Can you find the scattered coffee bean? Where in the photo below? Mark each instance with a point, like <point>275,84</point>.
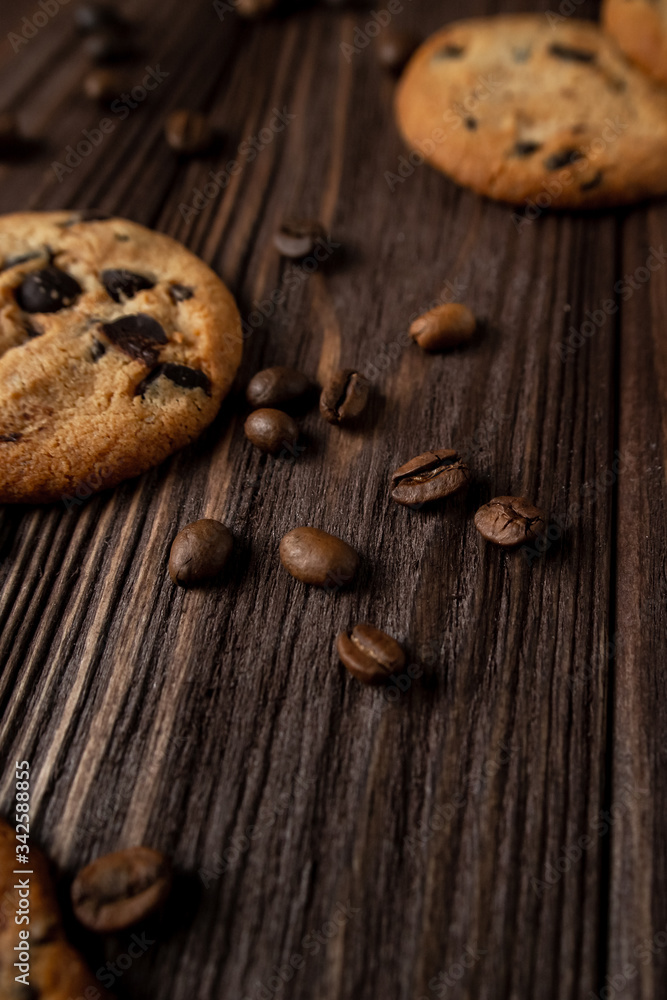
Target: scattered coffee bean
<point>199,552</point>
<point>254,8</point>
<point>509,521</point>
<point>102,85</point>
<point>137,336</point>
<point>188,132</point>
<point>394,48</point>
<point>272,431</point>
<point>344,396</point>
<point>276,387</point>
<point>119,889</point>
<point>443,327</point>
<point>428,477</point>
<point>90,17</point>
<point>109,46</point>
<point>296,237</point>
<point>47,291</point>
<point>316,557</point>
<point>124,284</point>
<point>369,654</point>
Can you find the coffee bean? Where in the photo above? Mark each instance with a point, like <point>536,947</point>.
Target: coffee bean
<point>254,8</point>
<point>394,48</point>
<point>276,387</point>
<point>136,335</point>
<point>199,552</point>
<point>124,284</point>
<point>102,85</point>
<point>344,396</point>
<point>296,237</point>
<point>119,889</point>
<point>90,17</point>
<point>369,654</point>
<point>316,557</point>
<point>272,431</point>
<point>188,132</point>
<point>47,291</point>
<point>445,326</point>
<point>428,477</point>
<point>109,46</point>
<point>509,521</point>
<point>181,375</point>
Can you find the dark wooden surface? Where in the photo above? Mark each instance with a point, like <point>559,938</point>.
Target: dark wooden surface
<point>448,821</point>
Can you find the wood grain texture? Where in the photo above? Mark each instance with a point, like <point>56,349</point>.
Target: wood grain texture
<point>415,846</point>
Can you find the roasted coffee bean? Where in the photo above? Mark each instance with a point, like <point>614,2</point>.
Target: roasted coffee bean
<point>102,85</point>
<point>316,557</point>
<point>369,654</point>
<point>47,291</point>
<point>276,387</point>
<point>428,477</point>
<point>90,17</point>
<point>272,431</point>
<point>188,132</point>
<point>181,375</point>
<point>136,335</point>
<point>199,552</point>
<point>510,521</point>
<point>344,396</point>
<point>255,8</point>
<point>445,326</point>
<point>119,889</point>
<point>180,293</point>
<point>109,46</point>
<point>394,48</point>
<point>124,284</point>
<point>297,237</point>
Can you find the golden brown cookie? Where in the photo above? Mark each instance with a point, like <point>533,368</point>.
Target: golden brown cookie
<point>117,346</point>
<point>55,971</point>
<point>640,28</point>
<point>525,111</point>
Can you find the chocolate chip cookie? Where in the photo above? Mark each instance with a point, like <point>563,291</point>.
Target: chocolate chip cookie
<point>640,28</point>
<point>523,110</point>
<point>117,346</point>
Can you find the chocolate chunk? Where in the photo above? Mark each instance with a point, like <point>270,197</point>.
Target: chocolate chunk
<point>593,182</point>
<point>119,282</point>
<point>571,54</point>
<point>9,438</point>
<point>47,291</point>
<point>523,149</point>
<point>179,293</point>
<point>136,335</point>
<point>97,350</point>
<point>186,378</point>
<point>31,329</point>
<point>563,159</point>
<point>449,52</point>
<point>471,123</point>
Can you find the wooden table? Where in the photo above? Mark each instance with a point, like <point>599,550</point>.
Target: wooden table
<point>450,841</point>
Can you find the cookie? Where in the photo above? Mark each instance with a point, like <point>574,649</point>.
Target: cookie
<point>117,346</point>
<point>640,28</point>
<point>522,110</point>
